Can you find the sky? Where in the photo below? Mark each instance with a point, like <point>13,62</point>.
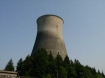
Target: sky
<point>83,29</point>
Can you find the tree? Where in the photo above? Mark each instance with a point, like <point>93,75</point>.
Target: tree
<point>9,66</point>
<point>103,74</point>
<point>71,72</point>
<point>79,69</point>
<point>27,65</point>
<point>20,67</point>
<point>62,73</point>
<point>40,63</point>
<point>50,57</point>
<point>51,66</point>
<point>58,60</point>
<point>66,62</point>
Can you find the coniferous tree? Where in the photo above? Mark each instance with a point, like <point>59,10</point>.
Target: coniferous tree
<point>59,64</point>
<point>79,69</point>
<point>58,60</point>
<point>62,72</point>
<point>51,65</point>
<point>41,62</point>
<point>20,67</point>
<point>103,74</point>
<point>50,57</point>
<point>9,66</point>
<point>27,65</point>
<point>66,62</point>
<point>43,65</point>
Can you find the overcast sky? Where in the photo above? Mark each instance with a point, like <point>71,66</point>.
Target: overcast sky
<point>83,29</point>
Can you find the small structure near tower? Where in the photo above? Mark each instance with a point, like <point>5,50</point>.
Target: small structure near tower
<point>49,35</point>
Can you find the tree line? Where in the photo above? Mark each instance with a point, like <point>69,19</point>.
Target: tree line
<point>43,65</point>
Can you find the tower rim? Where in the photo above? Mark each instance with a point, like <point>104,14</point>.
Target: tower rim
<point>50,15</point>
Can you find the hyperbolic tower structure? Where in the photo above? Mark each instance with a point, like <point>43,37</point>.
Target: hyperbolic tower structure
<point>49,35</point>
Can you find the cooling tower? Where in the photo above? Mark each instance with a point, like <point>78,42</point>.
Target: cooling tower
<point>49,35</point>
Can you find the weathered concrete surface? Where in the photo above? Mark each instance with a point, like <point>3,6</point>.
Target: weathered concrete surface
<point>49,35</point>
<point>7,74</point>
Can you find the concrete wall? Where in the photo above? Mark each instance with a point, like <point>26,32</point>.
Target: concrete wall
<point>8,74</point>
<point>49,35</point>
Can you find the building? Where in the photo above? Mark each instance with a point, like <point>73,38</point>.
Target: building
<point>7,74</point>
<point>49,35</point>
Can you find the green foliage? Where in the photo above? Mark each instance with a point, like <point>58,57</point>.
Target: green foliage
<point>41,62</point>
<point>48,76</point>
<point>20,67</point>
<point>9,66</point>
<point>62,73</point>
<point>42,65</point>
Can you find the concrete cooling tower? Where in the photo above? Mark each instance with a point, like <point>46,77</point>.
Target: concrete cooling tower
<point>49,35</point>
